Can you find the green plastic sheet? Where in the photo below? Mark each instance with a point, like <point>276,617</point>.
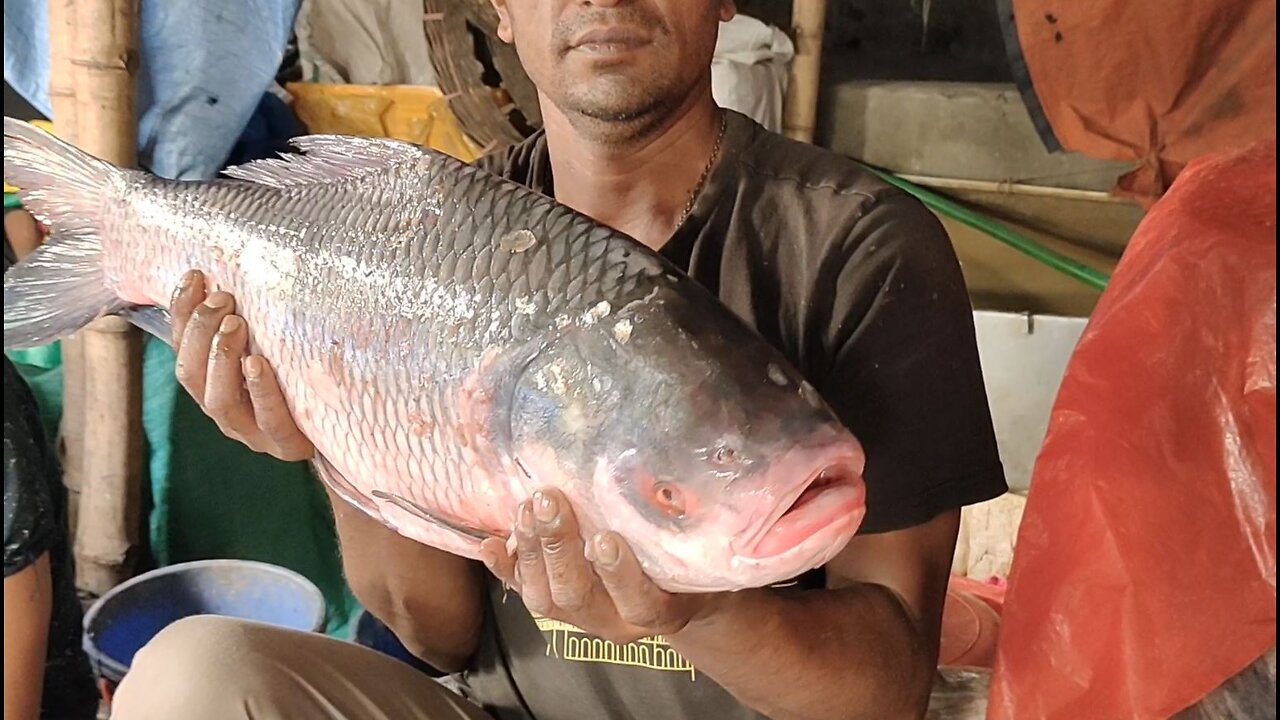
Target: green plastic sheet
<point>211,497</point>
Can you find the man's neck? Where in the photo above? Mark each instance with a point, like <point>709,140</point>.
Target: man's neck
<point>638,180</point>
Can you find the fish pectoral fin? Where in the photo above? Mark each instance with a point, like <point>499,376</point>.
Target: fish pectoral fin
<point>153,320</point>
<point>451,535</point>
<point>434,518</point>
<point>328,158</point>
<point>342,487</point>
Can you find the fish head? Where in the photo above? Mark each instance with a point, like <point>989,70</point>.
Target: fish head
<point>674,425</point>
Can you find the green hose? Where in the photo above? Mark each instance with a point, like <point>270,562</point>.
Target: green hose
<point>1090,276</point>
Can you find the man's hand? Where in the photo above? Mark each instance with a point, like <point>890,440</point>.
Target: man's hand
<point>238,391</point>
<point>597,586</point>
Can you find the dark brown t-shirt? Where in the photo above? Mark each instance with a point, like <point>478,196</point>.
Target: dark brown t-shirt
<point>858,285</point>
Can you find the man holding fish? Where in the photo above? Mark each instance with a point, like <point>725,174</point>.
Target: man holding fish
<point>854,283</point>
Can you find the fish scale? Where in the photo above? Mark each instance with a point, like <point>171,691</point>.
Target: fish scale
<point>459,265</point>
<point>450,341</point>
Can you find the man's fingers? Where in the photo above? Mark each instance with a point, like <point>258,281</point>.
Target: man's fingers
<point>226,400</point>
<point>197,343</point>
<point>272,413</point>
<point>531,570</point>
<point>639,601</point>
<point>500,562</point>
<point>569,575</point>
<point>186,296</point>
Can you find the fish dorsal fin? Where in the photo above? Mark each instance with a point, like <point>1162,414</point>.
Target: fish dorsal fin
<point>326,159</point>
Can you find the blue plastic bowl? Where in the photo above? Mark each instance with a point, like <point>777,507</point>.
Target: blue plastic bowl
<point>127,617</point>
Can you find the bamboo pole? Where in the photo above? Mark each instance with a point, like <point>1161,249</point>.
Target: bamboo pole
<point>63,100</point>
<point>61,90</point>
<point>1014,188</point>
<point>110,508</point>
<point>808,18</point>
<point>103,53</point>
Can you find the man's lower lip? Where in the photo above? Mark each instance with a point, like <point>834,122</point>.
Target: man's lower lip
<point>608,48</point>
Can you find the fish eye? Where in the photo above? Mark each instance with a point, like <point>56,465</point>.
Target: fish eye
<point>670,499</point>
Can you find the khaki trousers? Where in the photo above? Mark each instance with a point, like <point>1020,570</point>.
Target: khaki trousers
<point>223,668</point>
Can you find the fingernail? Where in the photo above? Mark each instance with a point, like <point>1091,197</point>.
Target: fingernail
<point>606,550</point>
<point>544,507</point>
<point>589,552</point>
<point>184,283</point>
<point>525,519</point>
<point>216,301</point>
<point>230,324</point>
<point>252,367</point>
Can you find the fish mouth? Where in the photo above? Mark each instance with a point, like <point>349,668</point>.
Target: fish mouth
<point>828,505</point>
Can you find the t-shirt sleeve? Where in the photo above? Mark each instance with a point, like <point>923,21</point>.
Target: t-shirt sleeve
<point>525,163</point>
<point>29,515</point>
<point>494,162</point>
<point>904,372</point>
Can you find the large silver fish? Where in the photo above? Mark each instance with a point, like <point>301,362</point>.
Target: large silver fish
<point>451,341</point>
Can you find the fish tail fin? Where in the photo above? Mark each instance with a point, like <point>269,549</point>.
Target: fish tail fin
<point>61,287</point>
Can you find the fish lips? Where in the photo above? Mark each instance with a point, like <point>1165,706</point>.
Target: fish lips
<point>824,510</point>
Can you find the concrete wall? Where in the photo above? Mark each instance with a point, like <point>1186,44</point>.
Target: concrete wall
<point>976,131</point>
<point>982,132</point>
<point>923,87</point>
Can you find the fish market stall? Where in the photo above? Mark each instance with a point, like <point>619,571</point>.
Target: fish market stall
<point>1129,572</point>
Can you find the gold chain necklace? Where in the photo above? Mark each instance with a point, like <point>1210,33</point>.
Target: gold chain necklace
<point>706,172</point>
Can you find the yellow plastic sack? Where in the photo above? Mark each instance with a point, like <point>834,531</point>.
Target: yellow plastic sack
<point>412,113</point>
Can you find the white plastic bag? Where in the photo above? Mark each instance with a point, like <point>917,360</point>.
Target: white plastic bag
<point>749,69</point>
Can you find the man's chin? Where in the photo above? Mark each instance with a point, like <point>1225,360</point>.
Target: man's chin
<point>614,104</point>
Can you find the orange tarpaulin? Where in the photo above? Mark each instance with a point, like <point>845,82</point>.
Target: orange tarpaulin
<point>1151,81</point>
<point>1145,571</point>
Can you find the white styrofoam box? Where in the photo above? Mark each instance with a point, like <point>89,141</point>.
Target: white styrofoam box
<point>1023,359</point>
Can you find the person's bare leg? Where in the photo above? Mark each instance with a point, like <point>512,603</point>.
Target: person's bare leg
<point>217,667</point>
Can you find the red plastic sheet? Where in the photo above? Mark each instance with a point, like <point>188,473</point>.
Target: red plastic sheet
<point>1145,570</point>
<point>1150,81</point>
